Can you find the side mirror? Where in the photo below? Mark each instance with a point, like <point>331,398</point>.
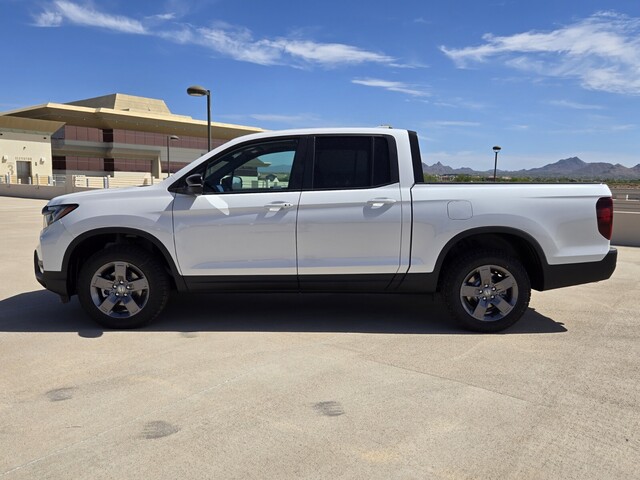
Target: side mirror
<point>231,184</point>
<point>194,184</point>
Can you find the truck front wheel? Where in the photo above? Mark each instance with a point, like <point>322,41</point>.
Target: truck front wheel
<point>486,291</point>
<point>123,286</point>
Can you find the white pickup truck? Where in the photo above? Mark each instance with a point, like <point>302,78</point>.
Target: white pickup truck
<point>323,210</point>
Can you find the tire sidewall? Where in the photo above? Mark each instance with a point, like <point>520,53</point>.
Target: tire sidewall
<point>458,273</point>
<point>142,260</point>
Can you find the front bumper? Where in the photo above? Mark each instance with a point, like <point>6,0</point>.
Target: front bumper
<point>53,281</point>
<point>557,276</point>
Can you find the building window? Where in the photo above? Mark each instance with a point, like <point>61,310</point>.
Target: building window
<point>59,163</point>
<point>107,136</point>
<point>83,134</point>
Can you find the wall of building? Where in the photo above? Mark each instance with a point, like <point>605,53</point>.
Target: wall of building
<point>42,192</point>
<point>179,157</point>
<point>33,148</point>
<point>93,151</point>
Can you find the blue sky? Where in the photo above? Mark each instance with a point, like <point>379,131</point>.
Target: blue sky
<point>545,80</point>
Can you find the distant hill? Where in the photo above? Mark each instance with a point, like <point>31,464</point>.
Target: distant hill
<point>569,167</point>
<point>440,169</point>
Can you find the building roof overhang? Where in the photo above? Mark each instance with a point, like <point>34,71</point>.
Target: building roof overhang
<point>29,125</point>
<point>108,118</point>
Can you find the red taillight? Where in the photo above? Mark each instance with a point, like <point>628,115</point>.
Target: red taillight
<point>604,211</point>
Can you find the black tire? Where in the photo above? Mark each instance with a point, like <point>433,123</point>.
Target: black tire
<point>123,286</point>
<point>486,291</point>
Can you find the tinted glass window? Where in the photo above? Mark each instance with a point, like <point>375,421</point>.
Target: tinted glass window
<point>381,174</point>
<point>351,162</point>
<point>257,167</point>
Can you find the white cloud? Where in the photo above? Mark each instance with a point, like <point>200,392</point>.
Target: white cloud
<point>594,130</point>
<point>574,105</point>
<point>228,40</point>
<point>601,51</point>
<point>278,120</point>
<point>624,128</point>
<point>391,86</point>
<point>163,16</point>
<point>288,119</point>
<point>328,53</point>
<point>453,123</point>
<point>48,19</point>
<point>63,11</point>
<point>458,102</point>
<point>182,36</point>
<point>238,44</point>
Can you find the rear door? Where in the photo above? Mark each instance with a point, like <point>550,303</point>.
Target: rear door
<point>350,214</point>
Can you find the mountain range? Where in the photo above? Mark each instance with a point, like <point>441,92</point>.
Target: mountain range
<point>569,167</point>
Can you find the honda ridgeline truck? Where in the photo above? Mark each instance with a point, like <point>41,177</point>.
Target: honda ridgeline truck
<point>323,210</point>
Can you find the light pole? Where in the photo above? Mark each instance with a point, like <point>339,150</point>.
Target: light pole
<point>495,164</point>
<point>198,91</point>
<point>169,138</point>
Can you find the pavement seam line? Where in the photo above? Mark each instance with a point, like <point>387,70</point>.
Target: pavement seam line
<point>366,357</point>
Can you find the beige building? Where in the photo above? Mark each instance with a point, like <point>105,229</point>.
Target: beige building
<point>109,134</point>
<point>25,149</point>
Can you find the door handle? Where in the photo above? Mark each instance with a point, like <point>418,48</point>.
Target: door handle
<point>277,206</point>
<point>379,202</point>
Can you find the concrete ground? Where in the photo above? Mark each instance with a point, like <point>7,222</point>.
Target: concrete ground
<point>318,386</point>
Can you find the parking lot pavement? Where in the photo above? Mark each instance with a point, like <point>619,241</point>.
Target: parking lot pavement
<point>316,386</point>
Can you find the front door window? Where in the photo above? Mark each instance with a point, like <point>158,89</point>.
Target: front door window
<point>263,167</point>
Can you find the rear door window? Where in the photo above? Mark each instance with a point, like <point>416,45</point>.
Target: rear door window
<point>344,162</point>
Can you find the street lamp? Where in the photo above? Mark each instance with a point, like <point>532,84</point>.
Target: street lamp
<point>169,138</point>
<point>198,91</point>
<point>495,164</point>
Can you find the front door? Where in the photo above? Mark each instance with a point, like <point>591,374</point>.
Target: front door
<point>241,231</point>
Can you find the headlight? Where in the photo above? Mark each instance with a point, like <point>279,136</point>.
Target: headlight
<point>56,212</point>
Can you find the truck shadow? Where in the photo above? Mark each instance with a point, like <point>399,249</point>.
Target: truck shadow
<point>41,311</point>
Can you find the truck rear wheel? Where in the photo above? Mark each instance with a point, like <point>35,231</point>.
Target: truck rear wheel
<point>486,291</point>
<point>123,286</point>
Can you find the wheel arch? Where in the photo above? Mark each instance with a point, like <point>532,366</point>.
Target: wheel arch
<point>85,245</point>
<point>513,241</point>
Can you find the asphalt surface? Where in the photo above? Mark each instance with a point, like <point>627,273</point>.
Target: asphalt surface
<point>317,386</point>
